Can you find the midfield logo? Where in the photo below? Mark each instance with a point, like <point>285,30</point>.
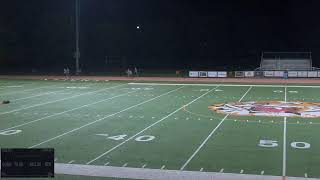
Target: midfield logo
<point>270,108</point>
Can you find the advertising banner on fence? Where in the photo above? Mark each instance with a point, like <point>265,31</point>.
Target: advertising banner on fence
<point>268,73</point>
<point>193,74</point>
<point>212,74</point>
<point>239,74</point>
<point>302,73</point>
<point>278,73</point>
<point>222,74</point>
<point>249,73</point>
<point>293,74</point>
<point>203,74</point>
<point>312,74</point>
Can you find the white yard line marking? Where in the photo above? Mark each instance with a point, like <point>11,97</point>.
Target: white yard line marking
<point>164,166</point>
<point>106,163</point>
<point>227,85</point>
<point>40,119</point>
<point>12,86</point>
<point>42,94</point>
<point>211,133</point>
<point>70,162</point>
<point>115,147</point>
<point>125,165</point>
<point>221,170</point>
<point>262,173</point>
<point>15,92</point>
<point>110,115</point>
<point>284,160</point>
<point>144,166</point>
<point>41,104</point>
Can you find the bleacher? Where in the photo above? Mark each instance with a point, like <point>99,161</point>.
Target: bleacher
<point>286,61</point>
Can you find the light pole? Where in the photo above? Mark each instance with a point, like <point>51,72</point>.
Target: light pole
<point>77,50</point>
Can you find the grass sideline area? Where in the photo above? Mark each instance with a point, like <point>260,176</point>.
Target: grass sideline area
<point>161,126</point>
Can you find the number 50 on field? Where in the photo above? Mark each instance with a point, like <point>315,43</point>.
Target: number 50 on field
<point>273,144</point>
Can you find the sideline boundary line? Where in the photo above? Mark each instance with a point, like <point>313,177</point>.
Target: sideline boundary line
<point>146,173</point>
<point>26,90</point>
<point>231,85</point>
<point>37,95</point>
<point>82,94</point>
<point>148,127</point>
<point>211,133</point>
<point>63,112</point>
<point>107,116</point>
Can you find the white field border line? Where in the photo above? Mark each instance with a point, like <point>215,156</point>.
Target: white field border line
<point>145,173</point>
<point>70,110</point>
<point>37,95</point>
<point>41,94</point>
<point>14,92</point>
<point>231,85</point>
<point>41,104</point>
<point>211,133</point>
<point>284,160</point>
<point>110,115</point>
<point>153,124</point>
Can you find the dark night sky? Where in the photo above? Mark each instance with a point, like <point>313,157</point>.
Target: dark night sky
<point>174,33</point>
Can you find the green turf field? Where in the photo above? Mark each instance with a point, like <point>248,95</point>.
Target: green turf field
<point>161,126</point>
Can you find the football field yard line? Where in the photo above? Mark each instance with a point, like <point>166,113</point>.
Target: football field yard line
<point>153,124</point>
<point>225,85</point>
<point>70,110</point>
<point>14,92</point>
<point>284,160</point>
<point>41,104</point>
<point>211,133</point>
<point>107,116</point>
<point>41,94</point>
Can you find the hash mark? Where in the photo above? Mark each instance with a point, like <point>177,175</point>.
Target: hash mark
<point>163,167</point>
<point>221,170</point>
<point>241,172</point>
<point>201,169</point>
<point>305,175</point>
<point>144,166</point>
<point>107,163</point>
<point>70,162</point>
<point>125,165</point>
<point>262,173</point>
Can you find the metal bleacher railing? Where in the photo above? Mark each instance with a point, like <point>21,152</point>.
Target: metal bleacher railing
<point>288,61</point>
